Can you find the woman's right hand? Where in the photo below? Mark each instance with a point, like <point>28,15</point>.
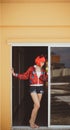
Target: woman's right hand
<point>13,73</point>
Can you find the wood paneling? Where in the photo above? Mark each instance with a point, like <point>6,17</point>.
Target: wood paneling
<point>32,1</point>
<point>35,14</point>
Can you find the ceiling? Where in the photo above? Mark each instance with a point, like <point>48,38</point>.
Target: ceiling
<point>33,1</point>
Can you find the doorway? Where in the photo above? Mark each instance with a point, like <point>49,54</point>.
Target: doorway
<point>22,58</point>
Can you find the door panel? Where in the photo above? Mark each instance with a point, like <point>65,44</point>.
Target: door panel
<point>22,58</point>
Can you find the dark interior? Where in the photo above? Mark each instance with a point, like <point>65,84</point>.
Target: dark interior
<point>22,58</point>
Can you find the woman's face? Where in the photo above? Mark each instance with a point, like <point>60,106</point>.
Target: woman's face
<point>42,64</point>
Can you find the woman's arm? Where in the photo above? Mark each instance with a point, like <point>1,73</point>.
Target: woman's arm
<point>23,76</point>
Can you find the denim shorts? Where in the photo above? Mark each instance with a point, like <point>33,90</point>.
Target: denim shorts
<point>36,89</point>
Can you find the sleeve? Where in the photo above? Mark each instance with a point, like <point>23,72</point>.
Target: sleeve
<point>25,75</point>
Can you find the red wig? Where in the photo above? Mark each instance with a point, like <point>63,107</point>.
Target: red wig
<point>39,59</point>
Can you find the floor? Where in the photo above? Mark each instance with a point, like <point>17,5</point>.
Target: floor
<point>41,128</point>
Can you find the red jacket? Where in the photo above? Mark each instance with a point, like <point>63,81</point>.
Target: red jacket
<point>32,76</point>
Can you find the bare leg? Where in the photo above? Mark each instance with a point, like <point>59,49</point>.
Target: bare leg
<point>36,99</point>
<point>39,98</point>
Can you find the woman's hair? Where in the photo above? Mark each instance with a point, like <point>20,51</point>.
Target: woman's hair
<point>39,59</point>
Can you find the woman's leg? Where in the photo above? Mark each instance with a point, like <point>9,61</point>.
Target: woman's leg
<point>36,99</point>
<point>39,98</point>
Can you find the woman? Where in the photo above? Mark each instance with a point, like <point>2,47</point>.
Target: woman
<point>37,76</point>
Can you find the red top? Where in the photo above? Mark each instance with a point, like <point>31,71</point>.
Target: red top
<point>32,76</point>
